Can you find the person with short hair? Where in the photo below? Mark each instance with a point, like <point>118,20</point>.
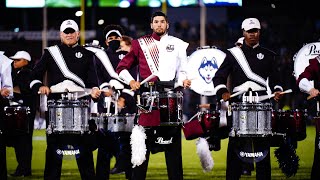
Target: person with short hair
<point>249,67</point>
<point>125,43</point>
<point>164,56</point>
<point>71,65</point>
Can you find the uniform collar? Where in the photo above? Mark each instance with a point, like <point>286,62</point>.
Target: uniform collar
<point>75,45</point>
<point>157,37</point>
<point>248,47</point>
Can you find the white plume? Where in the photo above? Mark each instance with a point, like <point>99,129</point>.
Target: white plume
<point>204,154</point>
<point>138,145</point>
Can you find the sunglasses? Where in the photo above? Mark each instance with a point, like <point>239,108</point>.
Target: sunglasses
<point>69,31</point>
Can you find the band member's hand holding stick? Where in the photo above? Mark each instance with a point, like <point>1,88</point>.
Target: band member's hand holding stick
<point>44,90</point>
<point>313,93</point>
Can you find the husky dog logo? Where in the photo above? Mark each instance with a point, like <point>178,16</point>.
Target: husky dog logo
<point>207,69</point>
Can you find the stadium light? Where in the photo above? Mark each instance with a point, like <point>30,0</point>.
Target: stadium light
<point>79,13</point>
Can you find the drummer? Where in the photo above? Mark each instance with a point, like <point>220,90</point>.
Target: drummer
<point>115,144</point>
<point>249,67</point>
<point>22,142</point>
<point>310,73</point>
<point>72,63</point>
<point>167,60</point>
<point>5,91</point>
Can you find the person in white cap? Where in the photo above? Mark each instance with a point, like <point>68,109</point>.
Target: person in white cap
<point>115,144</point>
<point>6,90</point>
<point>22,140</point>
<point>249,67</point>
<point>72,63</point>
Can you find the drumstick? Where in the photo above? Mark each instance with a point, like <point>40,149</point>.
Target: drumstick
<point>262,98</point>
<point>235,94</point>
<point>147,79</point>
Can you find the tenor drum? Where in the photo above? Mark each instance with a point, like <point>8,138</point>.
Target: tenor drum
<point>210,120</point>
<point>290,122</point>
<point>68,116</point>
<point>117,123</point>
<point>16,119</point>
<point>170,105</point>
<point>251,119</point>
<point>99,120</point>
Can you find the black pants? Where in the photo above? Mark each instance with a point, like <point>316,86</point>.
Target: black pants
<point>22,144</point>
<point>315,173</point>
<point>234,163</point>
<point>57,143</point>
<point>111,144</point>
<point>172,152</point>
<point>3,158</point>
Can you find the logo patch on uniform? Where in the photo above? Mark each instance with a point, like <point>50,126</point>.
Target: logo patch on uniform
<point>79,55</point>
<point>260,56</point>
<point>121,56</point>
<point>170,48</point>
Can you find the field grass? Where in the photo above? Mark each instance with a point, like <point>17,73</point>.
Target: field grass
<point>157,168</point>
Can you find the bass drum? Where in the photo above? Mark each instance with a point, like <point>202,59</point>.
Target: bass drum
<point>302,57</point>
<point>201,68</point>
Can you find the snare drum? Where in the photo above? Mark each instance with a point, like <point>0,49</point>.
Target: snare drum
<point>117,123</point>
<point>16,119</point>
<point>170,105</point>
<point>68,116</point>
<point>251,119</point>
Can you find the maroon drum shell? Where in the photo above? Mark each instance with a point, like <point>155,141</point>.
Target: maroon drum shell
<point>170,105</point>
<point>290,122</point>
<point>210,120</point>
<point>16,119</point>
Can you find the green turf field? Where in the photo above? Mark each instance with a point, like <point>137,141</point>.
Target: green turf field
<point>157,168</point>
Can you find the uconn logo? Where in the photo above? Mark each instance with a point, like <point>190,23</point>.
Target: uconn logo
<point>208,69</point>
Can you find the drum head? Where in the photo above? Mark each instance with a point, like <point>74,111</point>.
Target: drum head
<point>201,68</point>
<point>302,57</point>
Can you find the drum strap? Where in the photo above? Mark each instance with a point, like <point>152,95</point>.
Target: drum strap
<point>241,59</point>
<point>103,57</point>
<point>58,58</point>
<point>151,53</point>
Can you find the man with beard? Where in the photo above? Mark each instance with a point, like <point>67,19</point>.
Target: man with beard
<point>164,56</point>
